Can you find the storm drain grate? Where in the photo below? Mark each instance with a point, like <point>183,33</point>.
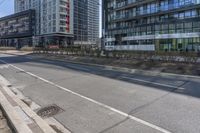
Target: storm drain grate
<point>49,111</point>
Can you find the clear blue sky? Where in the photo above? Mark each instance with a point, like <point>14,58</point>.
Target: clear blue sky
<point>7,8</point>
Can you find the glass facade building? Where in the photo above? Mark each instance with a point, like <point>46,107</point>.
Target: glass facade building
<point>93,21</point>
<point>17,29</point>
<point>54,20</point>
<point>80,20</point>
<point>86,22</point>
<point>66,21</point>
<point>152,25</point>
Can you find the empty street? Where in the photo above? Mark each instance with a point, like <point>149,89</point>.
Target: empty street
<point>99,100</point>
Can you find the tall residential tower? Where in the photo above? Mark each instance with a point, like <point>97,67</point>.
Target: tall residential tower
<point>54,20</point>
<point>86,22</point>
<point>149,25</point>
<point>66,21</point>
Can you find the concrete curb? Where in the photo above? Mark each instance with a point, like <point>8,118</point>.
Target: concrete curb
<point>20,125</point>
<point>16,122</point>
<point>34,106</point>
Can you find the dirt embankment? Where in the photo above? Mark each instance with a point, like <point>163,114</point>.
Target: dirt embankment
<point>4,128</point>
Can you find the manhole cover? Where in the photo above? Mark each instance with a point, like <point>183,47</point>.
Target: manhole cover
<point>49,111</point>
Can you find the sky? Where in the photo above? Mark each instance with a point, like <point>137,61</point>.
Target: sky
<point>7,8</point>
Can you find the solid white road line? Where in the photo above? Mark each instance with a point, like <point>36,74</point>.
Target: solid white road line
<point>154,83</point>
<point>93,101</point>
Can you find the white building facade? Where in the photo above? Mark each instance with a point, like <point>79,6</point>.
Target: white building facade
<point>54,20</point>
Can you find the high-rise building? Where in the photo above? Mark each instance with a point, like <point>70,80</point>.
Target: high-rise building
<point>93,21</point>
<point>86,22</point>
<point>80,22</point>
<point>64,19</point>
<point>54,20</point>
<point>152,25</point>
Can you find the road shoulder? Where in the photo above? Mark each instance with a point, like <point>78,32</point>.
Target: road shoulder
<point>22,118</point>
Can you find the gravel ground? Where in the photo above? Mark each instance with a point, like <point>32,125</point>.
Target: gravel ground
<point>4,128</point>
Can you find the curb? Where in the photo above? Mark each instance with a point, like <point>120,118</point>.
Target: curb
<point>17,122</point>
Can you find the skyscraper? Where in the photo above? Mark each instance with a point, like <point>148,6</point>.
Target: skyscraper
<point>54,20</point>
<point>152,25</point>
<point>80,22</point>
<point>64,20</point>
<point>86,22</point>
<point>93,20</point>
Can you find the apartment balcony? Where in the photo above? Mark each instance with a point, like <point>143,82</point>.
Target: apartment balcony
<point>127,5</point>
<point>157,12</point>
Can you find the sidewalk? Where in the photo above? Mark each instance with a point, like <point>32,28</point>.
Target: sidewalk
<point>20,116</point>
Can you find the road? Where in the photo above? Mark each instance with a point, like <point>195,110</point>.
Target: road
<point>99,100</point>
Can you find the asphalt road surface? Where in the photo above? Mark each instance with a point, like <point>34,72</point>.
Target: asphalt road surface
<point>99,100</point>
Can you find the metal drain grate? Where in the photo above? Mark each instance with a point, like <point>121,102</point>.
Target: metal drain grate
<point>49,111</point>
